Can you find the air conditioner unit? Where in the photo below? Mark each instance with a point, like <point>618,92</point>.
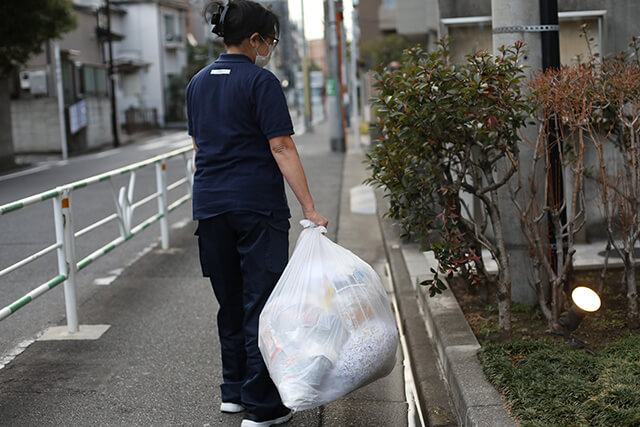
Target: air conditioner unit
<point>38,82</point>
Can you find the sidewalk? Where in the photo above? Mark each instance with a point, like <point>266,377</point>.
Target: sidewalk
<point>158,364</point>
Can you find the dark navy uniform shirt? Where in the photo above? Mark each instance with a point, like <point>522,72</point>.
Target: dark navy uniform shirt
<point>234,107</point>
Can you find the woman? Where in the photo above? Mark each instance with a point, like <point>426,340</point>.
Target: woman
<point>241,129</point>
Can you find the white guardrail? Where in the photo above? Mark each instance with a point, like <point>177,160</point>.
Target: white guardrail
<point>66,235</point>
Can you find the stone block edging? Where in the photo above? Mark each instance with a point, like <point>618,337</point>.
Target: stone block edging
<point>476,401</point>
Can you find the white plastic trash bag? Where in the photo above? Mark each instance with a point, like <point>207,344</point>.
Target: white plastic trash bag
<point>327,328</point>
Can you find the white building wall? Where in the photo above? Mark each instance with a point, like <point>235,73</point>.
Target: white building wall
<point>99,121</point>
<point>173,52</point>
<point>143,42</point>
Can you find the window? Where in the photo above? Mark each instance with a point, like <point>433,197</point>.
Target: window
<point>95,80</point>
<point>101,81</point>
<point>172,28</point>
<point>89,79</point>
<point>67,82</point>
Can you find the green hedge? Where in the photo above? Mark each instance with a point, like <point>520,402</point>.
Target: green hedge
<point>546,383</point>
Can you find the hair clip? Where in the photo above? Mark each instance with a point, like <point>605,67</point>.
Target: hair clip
<point>218,28</point>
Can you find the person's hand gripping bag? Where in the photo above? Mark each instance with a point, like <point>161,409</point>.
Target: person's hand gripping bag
<point>327,328</point>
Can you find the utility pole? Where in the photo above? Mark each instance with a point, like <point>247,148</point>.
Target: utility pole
<point>112,80</point>
<point>333,84</point>
<point>306,78</point>
<point>515,20</point>
<point>342,61</point>
<point>60,96</point>
<point>355,53</point>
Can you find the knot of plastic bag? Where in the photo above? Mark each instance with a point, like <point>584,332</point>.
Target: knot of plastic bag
<point>305,223</point>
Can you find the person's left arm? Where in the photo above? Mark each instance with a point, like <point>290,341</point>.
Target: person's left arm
<point>286,155</point>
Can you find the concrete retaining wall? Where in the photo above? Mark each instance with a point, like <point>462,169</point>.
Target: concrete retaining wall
<point>35,125</point>
<point>99,126</point>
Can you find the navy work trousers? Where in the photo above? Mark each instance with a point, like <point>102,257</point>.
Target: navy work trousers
<point>243,254</point>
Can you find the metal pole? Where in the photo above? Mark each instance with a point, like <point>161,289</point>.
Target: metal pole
<point>355,40</point>
<point>60,93</point>
<point>70,255</point>
<point>342,65</point>
<point>161,185</point>
<point>333,84</point>
<point>112,80</point>
<point>58,220</point>
<point>305,75</point>
<point>550,39</point>
<point>551,59</point>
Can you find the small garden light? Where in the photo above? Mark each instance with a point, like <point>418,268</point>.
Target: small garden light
<point>585,300</point>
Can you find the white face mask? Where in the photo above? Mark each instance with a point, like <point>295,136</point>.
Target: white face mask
<point>262,61</point>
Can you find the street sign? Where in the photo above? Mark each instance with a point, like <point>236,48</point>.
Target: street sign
<point>331,87</point>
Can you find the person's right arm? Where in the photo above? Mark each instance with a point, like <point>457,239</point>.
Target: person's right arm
<point>286,155</point>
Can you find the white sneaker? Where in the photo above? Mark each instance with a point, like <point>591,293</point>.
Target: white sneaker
<point>231,408</point>
<point>280,417</point>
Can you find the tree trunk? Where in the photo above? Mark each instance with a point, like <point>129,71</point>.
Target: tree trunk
<point>6,139</point>
<point>504,277</point>
<point>632,294</point>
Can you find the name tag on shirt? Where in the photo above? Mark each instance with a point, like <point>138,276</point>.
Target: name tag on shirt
<point>221,71</point>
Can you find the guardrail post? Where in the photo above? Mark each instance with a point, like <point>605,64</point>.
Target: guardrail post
<point>70,258</point>
<point>58,221</point>
<point>163,210</point>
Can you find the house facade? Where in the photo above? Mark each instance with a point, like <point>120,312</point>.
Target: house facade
<point>78,61</point>
<point>151,59</point>
<point>468,23</point>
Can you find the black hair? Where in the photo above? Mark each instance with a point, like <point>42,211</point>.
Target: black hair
<point>238,19</point>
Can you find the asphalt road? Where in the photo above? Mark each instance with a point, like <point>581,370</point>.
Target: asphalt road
<point>28,230</point>
<point>159,364</point>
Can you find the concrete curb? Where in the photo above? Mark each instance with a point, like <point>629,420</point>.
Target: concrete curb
<point>434,396</point>
<point>476,401</point>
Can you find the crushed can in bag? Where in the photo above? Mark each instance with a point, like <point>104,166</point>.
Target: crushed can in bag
<point>327,328</point>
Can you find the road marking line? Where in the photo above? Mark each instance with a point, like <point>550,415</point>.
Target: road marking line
<point>166,141</point>
<point>152,146</point>
<point>24,172</point>
<point>180,224</point>
<point>17,350</point>
<point>179,144</point>
<point>141,254</point>
<point>99,155</point>
<point>104,281</point>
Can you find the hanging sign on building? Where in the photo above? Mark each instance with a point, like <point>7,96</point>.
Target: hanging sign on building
<point>78,116</point>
